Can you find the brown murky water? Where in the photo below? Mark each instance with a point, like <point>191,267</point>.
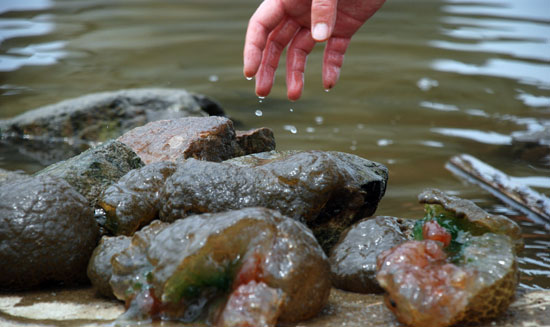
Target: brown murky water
<point>422,81</point>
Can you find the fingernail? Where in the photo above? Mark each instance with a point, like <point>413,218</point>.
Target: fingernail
<point>320,32</point>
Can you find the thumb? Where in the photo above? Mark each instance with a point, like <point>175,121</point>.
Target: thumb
<point>323,17</point>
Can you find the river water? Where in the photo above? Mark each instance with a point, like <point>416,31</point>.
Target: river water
<point>422,81</point>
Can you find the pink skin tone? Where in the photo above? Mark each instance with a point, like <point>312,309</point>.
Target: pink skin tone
<point>278,24</point>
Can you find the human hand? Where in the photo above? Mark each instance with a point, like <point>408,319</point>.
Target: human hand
<point>277,24</point>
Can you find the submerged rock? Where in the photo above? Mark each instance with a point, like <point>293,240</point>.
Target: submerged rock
<point>353,258</point>
<point>228,268</point>
<point>47,233</point>
<point>74,125</point>
<point>133,201</point>
<point>532,146</point>
<point>460,268</point>
<point>93,170</point>
<point>328,191</point>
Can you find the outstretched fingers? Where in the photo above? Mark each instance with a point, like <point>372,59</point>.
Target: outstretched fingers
<point>323,18</point>
<point>268,15</point>
<point>297,54</point>
<point>276,43</point>
<point>333,59</point>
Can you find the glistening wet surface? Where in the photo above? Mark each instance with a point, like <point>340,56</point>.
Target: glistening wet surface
<point>422,81</point>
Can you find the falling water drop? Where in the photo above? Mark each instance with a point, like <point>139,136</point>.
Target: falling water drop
<point>291,110</point>
<point>290,128</point>
<point>259,113</point>
<point>327,90</point>
<point>213,78</point>
<point>319,120</point>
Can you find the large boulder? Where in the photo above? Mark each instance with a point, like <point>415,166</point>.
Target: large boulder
<point>62,130</point>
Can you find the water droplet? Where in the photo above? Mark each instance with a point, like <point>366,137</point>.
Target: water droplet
<point>291,110</point>
<point>261,98</point>
<point>327,90</point>
<point>310,130</point>
<point>290,128</point>
<point>384,142</point>
<point>360,126</point>
<point>259,113</point>
<point>248,78</point>
<point>213,78</point>
<point>353,148</point>
<point>319,120</point>
<point>260,101</point>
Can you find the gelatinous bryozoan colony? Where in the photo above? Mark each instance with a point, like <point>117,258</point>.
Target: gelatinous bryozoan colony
<point>460,268</point>
<point>47,233</point>
<point>250,266</point>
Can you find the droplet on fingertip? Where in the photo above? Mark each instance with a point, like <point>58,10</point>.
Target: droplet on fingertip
<point>261,98</point>
<point>248,78</point>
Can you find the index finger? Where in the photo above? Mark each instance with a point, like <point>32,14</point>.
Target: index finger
<point>268,15</point>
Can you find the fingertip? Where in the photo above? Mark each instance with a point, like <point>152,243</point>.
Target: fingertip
<point>320,32</point>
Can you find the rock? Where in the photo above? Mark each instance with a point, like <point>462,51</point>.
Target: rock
<point>47,233</point>
<point>133,201</point>
<point>353,258</point>
<point>94,170</point>
<point>7,175</point>
<point>75,125</point>
<point>328,191</point>
<point>251,256</point>
<point>205,138</point>
<point>256,140</point>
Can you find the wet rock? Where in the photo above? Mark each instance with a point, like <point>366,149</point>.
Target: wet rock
<point>100,268</point>
<point>47,233</point>
<point>256,140</point>
<point>7,175</point>
<point>250,256</point>
<point>95,169</point>
<point>206,138</point>
<point>74,125</point>
<point>461,267</point>
<point>328,191</point>
<point>133,201</point>
<point>353,258</point>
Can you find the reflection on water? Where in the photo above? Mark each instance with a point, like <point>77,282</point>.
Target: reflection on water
<point>33,54</point>
<point>422,81</point>
<point>519,29</point>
